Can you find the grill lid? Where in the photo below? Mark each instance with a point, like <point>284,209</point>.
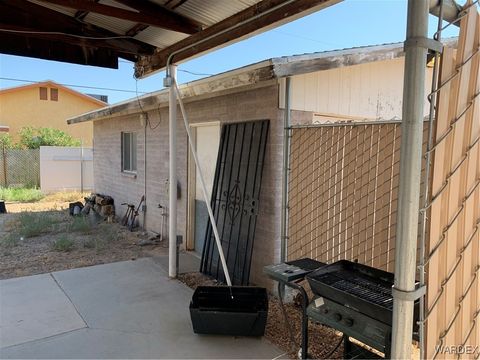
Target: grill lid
<point>363,288</point>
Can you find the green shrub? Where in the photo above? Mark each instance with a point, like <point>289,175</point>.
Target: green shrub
<point>20,194</point>
<point>10,240</point>
<point>34,224</point>
<point>6,141</point>
<point>33,138</point>
<point>63,244</point>
<point>80,224</point>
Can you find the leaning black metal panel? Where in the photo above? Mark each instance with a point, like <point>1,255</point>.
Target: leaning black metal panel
<point>235,199</point>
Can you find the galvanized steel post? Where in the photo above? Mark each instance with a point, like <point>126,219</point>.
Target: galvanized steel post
<point>172,183</point>
<point>410,173</point>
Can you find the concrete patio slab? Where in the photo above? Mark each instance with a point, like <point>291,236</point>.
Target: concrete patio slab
<point>34,307</point>
<point>131,310</point>
<point>187,262</point>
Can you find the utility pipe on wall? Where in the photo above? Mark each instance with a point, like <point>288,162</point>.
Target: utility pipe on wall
<point>172,184</point>
<point>410,172</point>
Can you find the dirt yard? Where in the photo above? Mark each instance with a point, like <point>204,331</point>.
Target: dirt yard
<point>42,237</point>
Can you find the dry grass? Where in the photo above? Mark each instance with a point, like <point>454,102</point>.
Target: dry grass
<point>41,237</point>
<point>51,202</point>
<point>65,196</point>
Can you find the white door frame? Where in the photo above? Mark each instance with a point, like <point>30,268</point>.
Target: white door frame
<point>191,185</point>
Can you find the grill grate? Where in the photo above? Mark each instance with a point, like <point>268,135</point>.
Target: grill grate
<point>360,287</point>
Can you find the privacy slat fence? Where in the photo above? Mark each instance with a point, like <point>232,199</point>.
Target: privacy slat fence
<point>453,250</point>
<point>343,189</point>
<point>343,192</point>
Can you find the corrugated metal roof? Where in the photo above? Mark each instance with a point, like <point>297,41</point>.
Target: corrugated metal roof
<point>116,4</point>
<point>115,25</point>
<point>60,9</point>
<point>161,38</point>
<point>209,12</point>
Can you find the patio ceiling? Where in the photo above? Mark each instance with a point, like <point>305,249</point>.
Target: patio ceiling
<point>99,32</point>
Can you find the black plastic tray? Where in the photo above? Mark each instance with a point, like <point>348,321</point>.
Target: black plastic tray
<point>214,311</point>
<point>363,288</point>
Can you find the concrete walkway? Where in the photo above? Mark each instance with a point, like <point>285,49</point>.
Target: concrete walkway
<point>122,310</point>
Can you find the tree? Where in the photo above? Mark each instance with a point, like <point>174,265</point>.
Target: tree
<point>33,138</point>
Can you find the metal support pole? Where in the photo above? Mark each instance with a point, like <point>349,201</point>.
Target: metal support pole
<point>4,153</point>
<point>286,165</point>
<point>410,172</point>
<point>81,167</point>
<point>144,207</point>
<point>172,190</point>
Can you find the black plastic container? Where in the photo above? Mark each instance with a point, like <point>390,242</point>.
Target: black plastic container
<point>223,310</point>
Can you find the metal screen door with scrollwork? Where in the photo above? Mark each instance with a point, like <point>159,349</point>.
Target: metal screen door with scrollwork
<point>235,198</point>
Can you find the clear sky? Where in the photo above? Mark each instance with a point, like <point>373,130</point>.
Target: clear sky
<point>347,24</point>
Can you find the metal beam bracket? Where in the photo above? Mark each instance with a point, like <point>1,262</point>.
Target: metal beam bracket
<point>409,295</point>
<point>424,42</point>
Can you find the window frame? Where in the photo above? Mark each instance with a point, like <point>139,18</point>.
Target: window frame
<point>132,152</point>
<point>42,90</point>
<point>52,92</point>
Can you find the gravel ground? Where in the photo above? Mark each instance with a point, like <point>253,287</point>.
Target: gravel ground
<point>322,340</point>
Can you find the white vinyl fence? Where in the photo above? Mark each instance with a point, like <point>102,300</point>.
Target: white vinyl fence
<point>66,168</point>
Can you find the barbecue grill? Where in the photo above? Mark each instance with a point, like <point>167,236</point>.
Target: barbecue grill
<point>357,300</point>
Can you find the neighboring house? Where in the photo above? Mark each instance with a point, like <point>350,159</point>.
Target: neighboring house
<point>46,104</point>
<point>361,84</point>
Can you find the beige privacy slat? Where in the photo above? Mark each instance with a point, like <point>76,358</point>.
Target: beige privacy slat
<point>343,193</point>
<point>453,241</point>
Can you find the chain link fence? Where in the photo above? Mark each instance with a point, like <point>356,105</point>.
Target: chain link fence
<point>343,187</point>
<point>452,210</point>
<point>20,167</point>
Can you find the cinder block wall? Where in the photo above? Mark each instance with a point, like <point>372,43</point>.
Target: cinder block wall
<point>252,104</point>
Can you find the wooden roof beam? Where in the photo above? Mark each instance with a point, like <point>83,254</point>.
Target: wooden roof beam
<point>136,29</point>
<point>15,44</point>
<point>157,16</point>
<point>80,14</point>
<point>21,15</point>
<point>173,4</point>
<point>267,13</point>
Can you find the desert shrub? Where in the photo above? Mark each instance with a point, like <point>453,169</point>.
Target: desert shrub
<point>32,224</point>
<point>80,224</point>
<point>63,244</point>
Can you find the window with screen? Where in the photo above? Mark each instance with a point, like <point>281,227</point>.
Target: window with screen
<point>43,93</point>
<point>129,152</point>
<point>54,94</point>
